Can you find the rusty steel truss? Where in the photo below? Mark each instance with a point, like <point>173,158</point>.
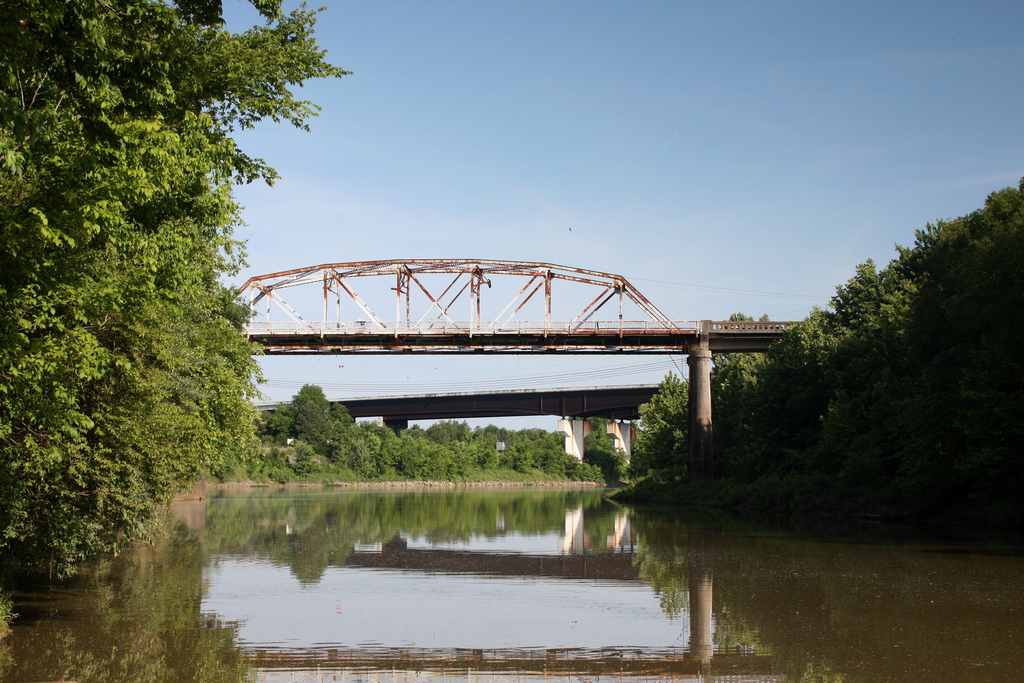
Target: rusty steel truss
<point>437,329</point>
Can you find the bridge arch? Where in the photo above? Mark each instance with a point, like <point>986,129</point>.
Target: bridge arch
<point>425,318</point>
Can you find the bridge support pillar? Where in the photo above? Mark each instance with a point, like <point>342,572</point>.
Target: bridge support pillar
<point>622,435</point>
<point>396,424</point>
<point>701,455</point>
<point>574,430</point>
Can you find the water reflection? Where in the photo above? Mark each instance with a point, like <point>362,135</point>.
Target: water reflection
<point>513,586</point>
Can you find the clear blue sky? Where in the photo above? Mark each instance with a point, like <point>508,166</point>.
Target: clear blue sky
<point>751,153</point>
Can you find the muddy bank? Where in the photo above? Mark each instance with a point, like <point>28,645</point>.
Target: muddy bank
<point>446,485</point>
<point>204,488</point>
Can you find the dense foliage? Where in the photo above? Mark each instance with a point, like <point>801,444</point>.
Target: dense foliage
<point>660,448</point>
<point>313,438</point>
<point>122,372</point>
<point>904,397</point>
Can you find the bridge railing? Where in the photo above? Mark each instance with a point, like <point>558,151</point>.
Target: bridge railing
<point>359,327</point>
<point>751,326</point>
<point>602,328</point>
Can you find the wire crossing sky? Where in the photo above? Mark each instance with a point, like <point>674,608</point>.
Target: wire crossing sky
<point>724,156</point>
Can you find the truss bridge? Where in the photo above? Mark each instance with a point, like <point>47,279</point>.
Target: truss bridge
<point>445,306</point>
<point>460,306</point>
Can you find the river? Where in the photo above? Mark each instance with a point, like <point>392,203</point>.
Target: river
<point>513,585</point>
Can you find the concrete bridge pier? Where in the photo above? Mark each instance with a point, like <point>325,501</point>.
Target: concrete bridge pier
<point>396,424</point>
<point>574,429</point>
<point>701,455</point>
<point>622,434</point>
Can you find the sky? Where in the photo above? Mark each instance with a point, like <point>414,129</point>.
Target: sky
<point>723,156</point>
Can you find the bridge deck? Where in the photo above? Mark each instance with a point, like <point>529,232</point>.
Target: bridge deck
<point>554,338</point>
<point>617,402</point>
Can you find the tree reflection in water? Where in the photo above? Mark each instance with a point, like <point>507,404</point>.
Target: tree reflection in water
<point>750,603</point>
<point>843,611</point>
<point>135,618</point>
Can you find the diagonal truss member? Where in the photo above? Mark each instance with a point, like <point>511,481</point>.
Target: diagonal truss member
<point>470,278</point>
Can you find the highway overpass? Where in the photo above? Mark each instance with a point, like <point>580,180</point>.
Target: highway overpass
<point>573,405</point>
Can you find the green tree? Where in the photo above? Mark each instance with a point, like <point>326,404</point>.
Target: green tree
<point>448,431</point>
<point>905,396</point>
<point>122,370</point>
<point>661,445</point>
<point>279,423</point>
<point>312,422</point>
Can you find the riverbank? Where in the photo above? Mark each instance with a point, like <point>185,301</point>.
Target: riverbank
<point>204,489</point>
<point>7,614</point>
<point>815,505</point>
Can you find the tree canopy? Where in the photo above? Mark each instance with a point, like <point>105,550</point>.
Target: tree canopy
<point>122,370</point>
<point>313,438</point>
<point>661,445</point>
<point>904,397</point>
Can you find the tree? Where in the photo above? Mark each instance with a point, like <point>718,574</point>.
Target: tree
<point>661,444</point>
<point>448,431</point>
<point>279,423</point>
<point>123,372</point>
<point>905,396</point>
<point>733,391</point>
<point>312,412</point>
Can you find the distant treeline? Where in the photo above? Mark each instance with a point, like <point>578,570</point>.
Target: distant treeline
<point>312,438</point>
<point>904,397</point>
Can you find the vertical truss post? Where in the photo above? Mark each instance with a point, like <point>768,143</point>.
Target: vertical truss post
<point>337,293</point>
<point>547,302</point>
<point>476,277</point>
<point>620,309</point>
<point>398,299</point>
<point>323,319</point>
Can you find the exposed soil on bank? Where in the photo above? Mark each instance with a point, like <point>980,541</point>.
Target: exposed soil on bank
<point>204,488</point>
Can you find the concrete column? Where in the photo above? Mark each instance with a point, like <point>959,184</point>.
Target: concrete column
<point>701,456</point>
<point>622,434</point>
<point>572,428</point>
<point>396,424</point>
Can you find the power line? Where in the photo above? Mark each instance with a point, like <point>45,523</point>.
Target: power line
<point>500,382</point>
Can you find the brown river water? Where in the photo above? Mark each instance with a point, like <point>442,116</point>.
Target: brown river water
<point>516,586</point>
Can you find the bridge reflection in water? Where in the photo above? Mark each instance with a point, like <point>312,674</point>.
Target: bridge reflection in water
<point>577,558</point>
<point>474,586</point>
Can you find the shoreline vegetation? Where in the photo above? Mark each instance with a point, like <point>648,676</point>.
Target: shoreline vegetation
<point>124,373</point>
<point>900,401</point>
<point>126,376</point>
<point>205,488</point>
<point>311,439</point>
